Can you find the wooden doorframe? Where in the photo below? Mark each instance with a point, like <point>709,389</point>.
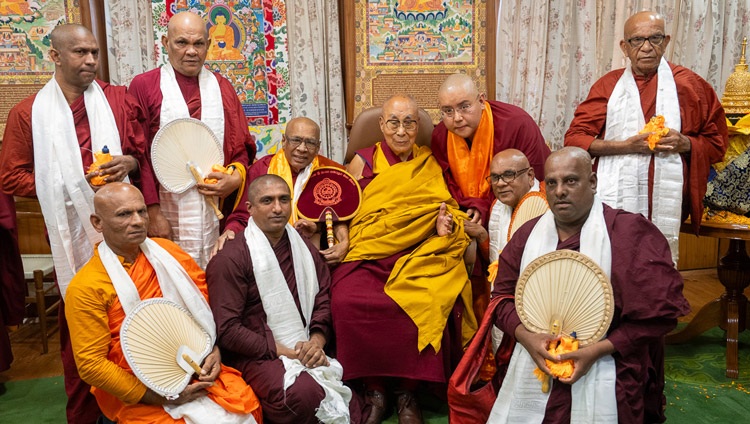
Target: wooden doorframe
<point>93,18</point>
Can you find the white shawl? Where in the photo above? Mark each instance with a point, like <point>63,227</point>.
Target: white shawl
<point>177,286</point>
<point>520,399</point>
<point>66,199</point>
<point>623,179</point>
<point>194,223</point>
<point>284,320</point>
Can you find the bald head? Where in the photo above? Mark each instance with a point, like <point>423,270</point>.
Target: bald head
<point>63,35</point>
<point>399,124</point>
<point>261,184</point>
<point>301,142</point>
<point>511,176</point>
<point>121,216</point>
<point>461,105</point>
<point>76,56</point>
<point>186,42</point>
<point>644,41</point>
<point>570,186</point>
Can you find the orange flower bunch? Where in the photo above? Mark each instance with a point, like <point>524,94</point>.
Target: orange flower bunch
<point>218,168</point>
<point>655,126</point>
<point>100,158</point>
<point>562,369</point>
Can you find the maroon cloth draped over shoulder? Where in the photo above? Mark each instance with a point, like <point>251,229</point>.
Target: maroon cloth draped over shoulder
<point>239,145</point>
<point>648,301</point>
<point>246,341</point>
<point>514,129</point>
<point>12,283</point>
<point>703,121</point>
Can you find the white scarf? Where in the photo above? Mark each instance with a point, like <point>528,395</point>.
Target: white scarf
<point>177,286</point>
<point>299,186</point>
<point>194,224</point>
<point>623,179</point>
<point>66,199</point>
<point>520,399</point>
<point>499,224</point>
<point>284,320</point>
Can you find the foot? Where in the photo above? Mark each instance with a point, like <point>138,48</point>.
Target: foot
<point>376,402</point>
<point>408,410</point>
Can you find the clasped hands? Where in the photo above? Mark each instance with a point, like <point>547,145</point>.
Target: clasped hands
<point>310,353</point>
<point>583,358</point>
<point>673,142</point>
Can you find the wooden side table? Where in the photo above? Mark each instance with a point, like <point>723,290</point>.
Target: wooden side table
<point>729,311</point>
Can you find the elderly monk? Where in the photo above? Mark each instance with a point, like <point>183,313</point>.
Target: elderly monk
<point>392,296</point>
<point>269,292</point>
<point>294,162</point>
<point>183,88</point>
<point>613,379</point>
<point>128,267</point>
<point>47,148</point>
<point>512,181</point>
<point>12,283</point>
<point>472,131</point>
<point>667,183</point>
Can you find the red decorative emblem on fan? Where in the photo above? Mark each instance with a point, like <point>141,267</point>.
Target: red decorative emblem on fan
<point>327,192</point>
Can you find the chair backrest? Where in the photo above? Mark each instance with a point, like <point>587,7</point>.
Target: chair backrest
<point>366,131</point>
<point>32,235</point>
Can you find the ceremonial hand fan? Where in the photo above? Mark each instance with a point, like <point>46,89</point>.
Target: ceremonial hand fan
<point>180,150</point>
<point>164,345</point>
<point>331,194</point>
<point>564,292</point>
<point>531,205</point>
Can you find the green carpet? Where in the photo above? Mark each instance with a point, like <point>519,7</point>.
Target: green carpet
<point>38,401</point>
<point>697,390</point>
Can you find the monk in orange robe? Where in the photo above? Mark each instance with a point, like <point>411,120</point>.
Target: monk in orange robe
<point>95,314</point>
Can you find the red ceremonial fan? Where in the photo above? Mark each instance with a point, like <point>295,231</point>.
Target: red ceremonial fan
<point>331,194</point>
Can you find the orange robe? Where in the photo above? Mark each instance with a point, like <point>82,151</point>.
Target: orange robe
<point>95,315</point>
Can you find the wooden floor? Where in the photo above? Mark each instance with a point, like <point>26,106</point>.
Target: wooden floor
<point>701,286</point>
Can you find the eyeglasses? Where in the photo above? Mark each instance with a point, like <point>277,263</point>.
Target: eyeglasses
<point>310,143</point>
<point>655,40</point>
<point>507,176</point>
<point>463,108</point>
<point>394,124</point>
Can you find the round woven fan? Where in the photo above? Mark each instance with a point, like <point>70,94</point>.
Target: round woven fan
<point>163,345</point>
<point>567,288</point>
<point>179,144</point>
<point>530,206</point>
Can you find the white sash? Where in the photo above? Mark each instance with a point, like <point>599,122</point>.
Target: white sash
<point>194,224</point>
<point>623,179</point>
<point>299,187</point>
<point>177,286</point>
<point>284,320</point>
<point>66,199</point>
<point>499,224</point>
<point>520,399</point>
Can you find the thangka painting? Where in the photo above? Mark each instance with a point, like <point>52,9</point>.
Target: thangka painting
<point>410,46</point>
<point>24,43</point>
<point>249,48</point>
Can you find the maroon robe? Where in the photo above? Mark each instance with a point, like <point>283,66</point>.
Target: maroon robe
<point>648,300</point>
<point>514,129</point>
<point>12,283</point>
<point>702,117</point>
<point>239,145</point>
<point>374,336</point>
<point>246,341</point>
<point>17,177</point>
<point>237,220</point>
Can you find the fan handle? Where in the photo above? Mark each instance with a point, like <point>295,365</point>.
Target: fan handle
<point>199,179</point>
<point>329,228</point>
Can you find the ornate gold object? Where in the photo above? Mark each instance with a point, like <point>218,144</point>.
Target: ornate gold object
<point>736,99</point>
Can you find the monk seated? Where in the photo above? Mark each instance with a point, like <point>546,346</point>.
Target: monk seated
<point>128,267</point>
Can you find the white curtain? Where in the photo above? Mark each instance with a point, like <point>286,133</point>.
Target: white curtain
<point>130,39</point>
<point>314,60</point>
<point>316,71</point>
<point>550,52</point>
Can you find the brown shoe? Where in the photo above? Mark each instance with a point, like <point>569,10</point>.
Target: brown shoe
<point>408,410</point>
<point>376,402</point>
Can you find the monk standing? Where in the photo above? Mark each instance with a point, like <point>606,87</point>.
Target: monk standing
<point>668,183</point>
<point>183,88</point>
